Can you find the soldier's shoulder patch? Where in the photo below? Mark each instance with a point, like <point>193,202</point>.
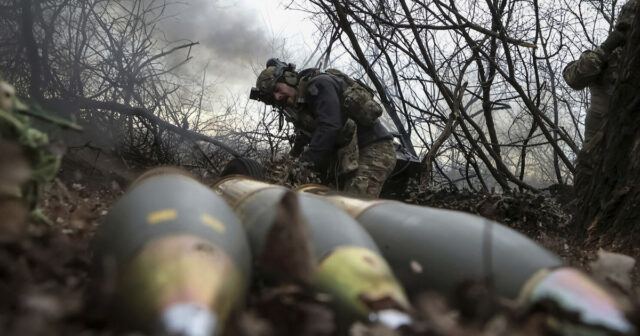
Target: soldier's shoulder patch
<point>313,90</point>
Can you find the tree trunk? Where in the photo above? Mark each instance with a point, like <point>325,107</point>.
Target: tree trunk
<point>607,178</point>
<point>31,50</point>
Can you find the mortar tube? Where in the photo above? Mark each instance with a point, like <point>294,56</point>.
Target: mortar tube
<point>177,254</point>
<point>349,266</point>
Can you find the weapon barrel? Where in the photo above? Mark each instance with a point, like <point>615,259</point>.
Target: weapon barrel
<point>349,266</point>
<point>177,253</point>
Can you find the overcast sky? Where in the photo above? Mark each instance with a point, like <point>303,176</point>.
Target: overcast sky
<point>236,36</point>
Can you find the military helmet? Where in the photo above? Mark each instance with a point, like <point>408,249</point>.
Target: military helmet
<point>276,71</point>
<point>267,79</point>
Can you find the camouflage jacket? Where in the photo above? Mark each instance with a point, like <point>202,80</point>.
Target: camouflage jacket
<point>598,71</point>
<point>23,175</point>
<point>320,113</point>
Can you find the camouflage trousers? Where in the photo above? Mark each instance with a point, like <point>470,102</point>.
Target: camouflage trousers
<point>375,162</point>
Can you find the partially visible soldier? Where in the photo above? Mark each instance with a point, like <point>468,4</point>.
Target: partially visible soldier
<point>26,163</point>
<point>337,119</point>
<point>598,69</point>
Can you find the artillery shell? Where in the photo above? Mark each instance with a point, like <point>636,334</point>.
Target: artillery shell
<point>436,249</point>
<point>575,292</point>
<point>178,253</point>
<point>350,267</point>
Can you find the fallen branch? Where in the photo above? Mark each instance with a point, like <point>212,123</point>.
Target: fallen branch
<point>143,113</point>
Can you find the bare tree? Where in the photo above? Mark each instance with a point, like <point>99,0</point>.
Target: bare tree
<point>104,63</point>
<point>609,190</point>
<point>513,110</point>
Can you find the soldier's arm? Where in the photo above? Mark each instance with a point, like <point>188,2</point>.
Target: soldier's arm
<point>583,71</point>
<point>323,99</point>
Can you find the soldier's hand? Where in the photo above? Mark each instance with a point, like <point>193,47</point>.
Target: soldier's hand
<point>615,39</point>
<point>297,149</point>
<point>306,164</point>
<point>302,172</point>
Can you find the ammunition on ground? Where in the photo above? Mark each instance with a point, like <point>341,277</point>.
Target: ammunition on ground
<point>347,263</point>
<point>176,254</point>
<point>436,249</point>
<point>575,292</point>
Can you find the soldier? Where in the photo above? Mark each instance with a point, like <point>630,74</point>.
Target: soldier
<point>337,119</point>
<point>26,160</point>
<point>598,69</point>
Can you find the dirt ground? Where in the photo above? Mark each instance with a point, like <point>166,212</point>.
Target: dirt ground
<point>46,287</point>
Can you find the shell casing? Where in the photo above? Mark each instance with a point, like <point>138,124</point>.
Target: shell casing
<point>171,240</point>
<point>235,188</point>
<point>350,267</point>
<point>351,205</point>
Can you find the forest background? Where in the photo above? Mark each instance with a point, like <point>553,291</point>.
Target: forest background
<point>474,89</point>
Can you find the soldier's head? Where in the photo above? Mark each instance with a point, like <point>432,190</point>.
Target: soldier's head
<point>627,13</point>
<point>279,80</point>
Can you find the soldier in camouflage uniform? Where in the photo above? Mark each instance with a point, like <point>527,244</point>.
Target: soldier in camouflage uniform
<point>28,164</point>
<point>340,120</point>
<point>598,70</point>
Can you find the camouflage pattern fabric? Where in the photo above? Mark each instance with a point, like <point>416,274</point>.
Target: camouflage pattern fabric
<point>357,100</point>
<point>32,162</point>
<point>597,71</point>
<point>267,80</point>
<point>375,162</point>
<point>347,142</point>
<point>594,70</point>
<point>587,69</point>
<point>363,171</point>
<point>360,106</point>
<point>348,151</point>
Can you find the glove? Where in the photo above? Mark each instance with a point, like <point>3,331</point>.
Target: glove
<point>303,172</point>
<point>615,39</point>
<point>299,141</point>
<point>296,151</point>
